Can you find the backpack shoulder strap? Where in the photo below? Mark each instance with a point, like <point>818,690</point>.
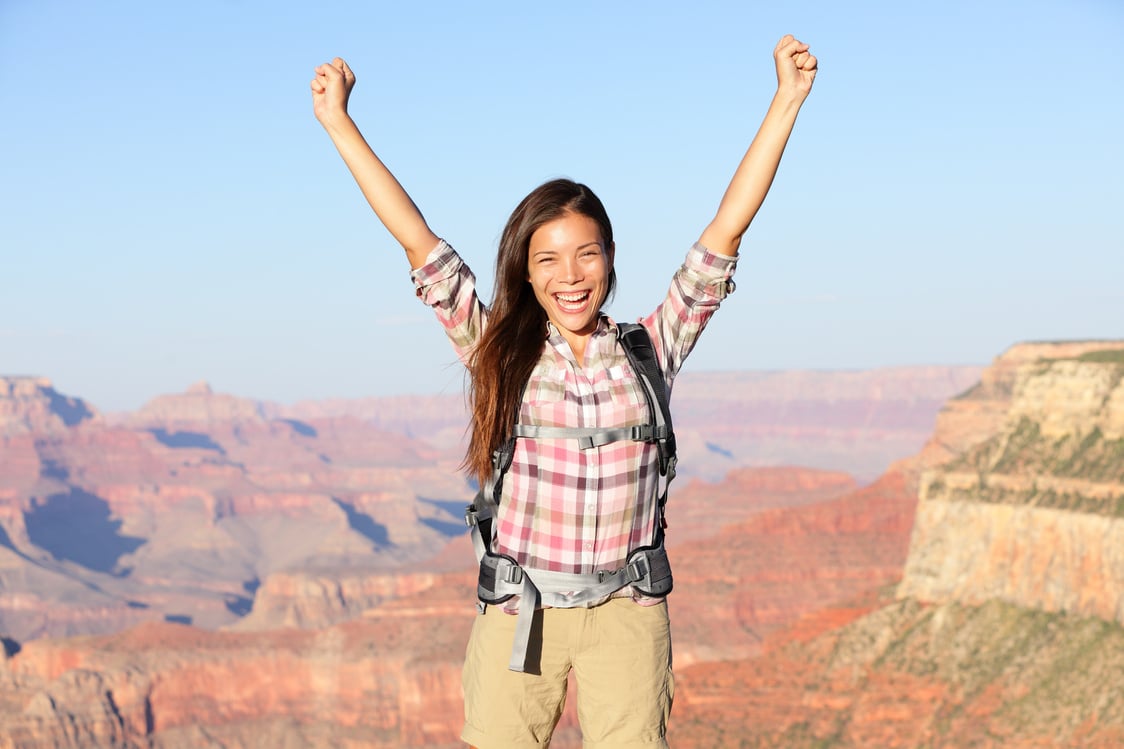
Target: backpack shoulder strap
<point>637,345</point>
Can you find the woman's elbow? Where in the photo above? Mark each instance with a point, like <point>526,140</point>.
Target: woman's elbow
<point>722,239</point>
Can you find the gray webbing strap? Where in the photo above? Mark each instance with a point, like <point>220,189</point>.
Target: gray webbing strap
<point>528,602</point>
<point>590,437</point>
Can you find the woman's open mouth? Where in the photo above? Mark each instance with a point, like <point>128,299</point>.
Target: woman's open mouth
<point>573,301</point>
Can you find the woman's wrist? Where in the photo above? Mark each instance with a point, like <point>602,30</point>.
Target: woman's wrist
<point>789,97</point>
<point>336,121</point>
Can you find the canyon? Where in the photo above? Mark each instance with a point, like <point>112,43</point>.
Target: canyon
<point>1005,628</point>
<point>967,597</point>
<point>185,509</point>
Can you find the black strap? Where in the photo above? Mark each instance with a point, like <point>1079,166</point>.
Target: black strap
<point>637,345</point>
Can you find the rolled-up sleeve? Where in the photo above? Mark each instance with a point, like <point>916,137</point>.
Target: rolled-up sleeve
<point>447,285</point>
<point>707,277</point>
<point>697,288</point>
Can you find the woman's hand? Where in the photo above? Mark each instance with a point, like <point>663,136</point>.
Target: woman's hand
<point>796,66</point>
<point>330,90</point>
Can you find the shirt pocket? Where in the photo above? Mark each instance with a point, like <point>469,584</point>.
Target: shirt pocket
<point>623,397</point>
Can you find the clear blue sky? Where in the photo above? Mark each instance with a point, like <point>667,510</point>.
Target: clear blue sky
<point>171,211</point>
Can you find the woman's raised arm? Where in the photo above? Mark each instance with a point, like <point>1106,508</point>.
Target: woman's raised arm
<point>796,69</point>
<point>330,90</point>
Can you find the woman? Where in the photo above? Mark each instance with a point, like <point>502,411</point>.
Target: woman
<point>545,363</point>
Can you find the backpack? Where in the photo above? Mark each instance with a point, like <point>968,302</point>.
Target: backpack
<point>646,568</point>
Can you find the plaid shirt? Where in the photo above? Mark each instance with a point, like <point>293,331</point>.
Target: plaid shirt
<point>562,508</point>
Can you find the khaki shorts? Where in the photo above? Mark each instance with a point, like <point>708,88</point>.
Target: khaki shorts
<point>620,652</point>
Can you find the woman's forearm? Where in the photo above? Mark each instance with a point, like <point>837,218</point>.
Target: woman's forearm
<point>796,70</point>
<point>331,88</point>
<point>753,177</point>
<point>386,196</point>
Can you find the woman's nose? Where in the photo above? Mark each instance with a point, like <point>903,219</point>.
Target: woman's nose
<point>571,270</point>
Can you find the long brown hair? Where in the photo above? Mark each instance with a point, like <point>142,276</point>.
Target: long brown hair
<point>512,342</point>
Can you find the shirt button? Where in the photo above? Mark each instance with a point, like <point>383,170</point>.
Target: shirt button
<point>589,547</point>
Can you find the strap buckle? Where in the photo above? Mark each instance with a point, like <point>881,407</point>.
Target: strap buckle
<point>638,570</point>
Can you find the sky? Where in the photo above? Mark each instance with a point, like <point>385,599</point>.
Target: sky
<point>171,211</point>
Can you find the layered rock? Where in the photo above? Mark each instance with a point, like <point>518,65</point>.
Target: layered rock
<point>741,586</point>
<point>32,405</point>
<point>391,677</point>
<point>1030,509</point>
<point>899,674</point>
<point>752,556</point>
<point>198,405</point>
<point>857,422</point>
<point>199,502</point>
<point>321,597</point>
<point>1006,631</point>
<point>367,683</point>
<point>310,600</point>
<point>103,526</point>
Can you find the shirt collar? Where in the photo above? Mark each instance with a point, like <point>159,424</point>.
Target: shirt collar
<point>605,326</point>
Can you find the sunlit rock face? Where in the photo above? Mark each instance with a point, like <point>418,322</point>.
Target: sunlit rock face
<point>1029,507</point>
<point>31,405</point>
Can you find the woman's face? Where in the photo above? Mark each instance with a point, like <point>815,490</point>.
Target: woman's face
<point>569,269</point>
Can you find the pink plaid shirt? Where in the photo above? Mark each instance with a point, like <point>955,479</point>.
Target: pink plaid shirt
<point>562,508</point>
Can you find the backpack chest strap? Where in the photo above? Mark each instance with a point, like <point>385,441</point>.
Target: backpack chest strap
<point>588,438</point>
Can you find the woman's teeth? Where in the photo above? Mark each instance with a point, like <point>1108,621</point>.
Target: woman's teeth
<point>575,300</point>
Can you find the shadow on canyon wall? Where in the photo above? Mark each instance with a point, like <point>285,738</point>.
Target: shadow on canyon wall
<point>78,527</point>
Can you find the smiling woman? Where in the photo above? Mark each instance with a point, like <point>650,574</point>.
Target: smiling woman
<point>570,268</point>
<point>572,482</point>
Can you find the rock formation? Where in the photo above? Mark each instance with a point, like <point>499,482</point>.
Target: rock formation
<point>180,512</point>
<point>371,682</point>
<point>1006,628</point>
<point>202,506</point>
<point>884,673</point>
<point>857,422</point>
<point>31,405</point>
<point>296,524</point>
<point>198,405</point>
<point>391,676</point>
<point>1029,509</point>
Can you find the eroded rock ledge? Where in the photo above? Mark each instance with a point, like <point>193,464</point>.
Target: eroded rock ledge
<point>1030,508</point>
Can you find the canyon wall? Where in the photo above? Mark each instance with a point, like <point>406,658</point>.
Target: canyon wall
<point>1005,631</point>
<point>1028,508</point>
